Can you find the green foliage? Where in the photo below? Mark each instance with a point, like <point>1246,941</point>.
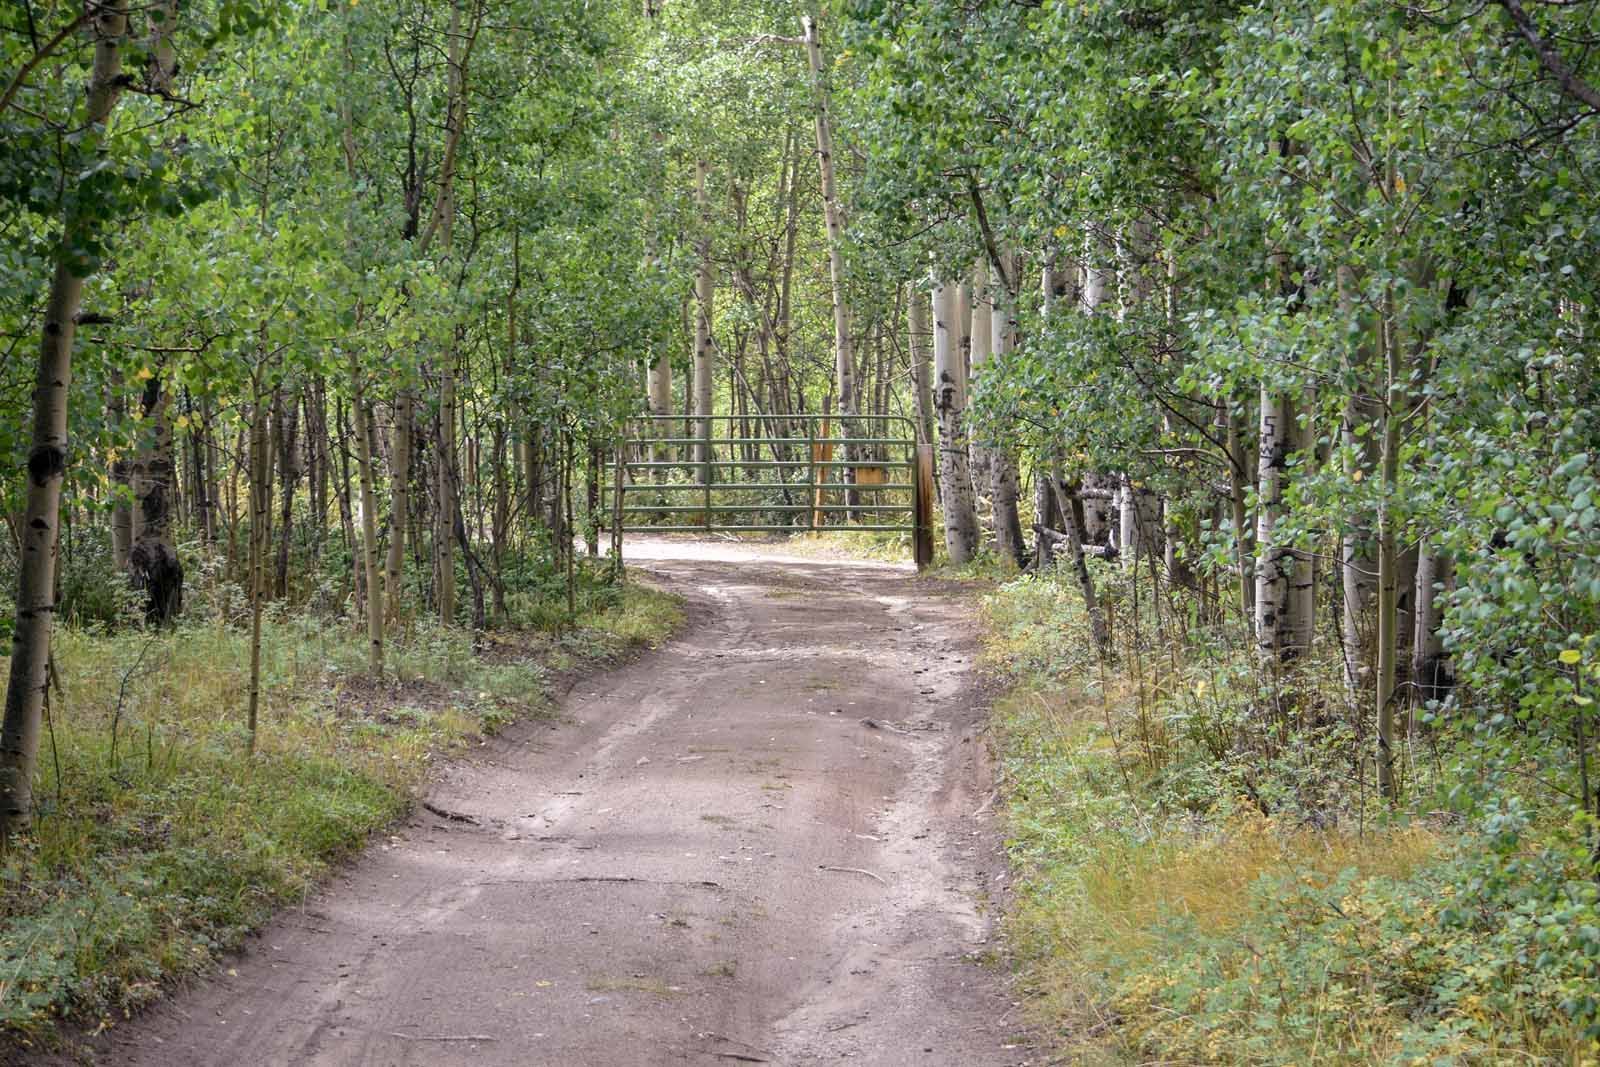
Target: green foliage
<point>1162,914</point>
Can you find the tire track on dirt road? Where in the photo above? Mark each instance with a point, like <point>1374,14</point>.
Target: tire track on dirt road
<point>757,843</point>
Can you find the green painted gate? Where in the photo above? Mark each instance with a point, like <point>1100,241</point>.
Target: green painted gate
<point>709,480</point>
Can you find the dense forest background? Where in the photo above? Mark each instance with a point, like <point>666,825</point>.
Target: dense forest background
<point>1265,331</point>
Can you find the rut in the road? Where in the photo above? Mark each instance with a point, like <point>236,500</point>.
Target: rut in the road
<point>758,843</point>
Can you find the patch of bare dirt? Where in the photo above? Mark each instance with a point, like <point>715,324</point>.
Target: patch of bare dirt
<point>769,841</point>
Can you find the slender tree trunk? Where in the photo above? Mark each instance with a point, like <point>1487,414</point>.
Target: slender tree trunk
<point>121,478</point>
<point>950,401</point>
<point>47,457</point>
<point>445,497</point>
<point>1003,464</point>
<point>260,519</point>
<point>399,504</point>
<point>1388,552</point>
<point>153,560</point>
<point>705,280</point>
<point>833,220</point>
<point>372,602</point>
<point>1429,671</point>
<point>286,418</point>
<point>1275,565</point>
<point>1238,480</point>
<point>921,368</point>
<point>979,344</point>
<point>1072,514</point>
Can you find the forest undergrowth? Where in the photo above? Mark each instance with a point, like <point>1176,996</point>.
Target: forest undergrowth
<point>1193,888</point>
<point>160,842</point>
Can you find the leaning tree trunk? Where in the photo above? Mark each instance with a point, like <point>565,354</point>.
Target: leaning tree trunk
<point>47,453</point>
<point>950,401</point>
<point>1072,516</point>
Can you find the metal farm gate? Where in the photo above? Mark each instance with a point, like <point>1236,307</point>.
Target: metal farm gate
<point>667,480</point>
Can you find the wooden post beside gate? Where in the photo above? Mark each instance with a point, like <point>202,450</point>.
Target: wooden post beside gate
<point>922,502</point>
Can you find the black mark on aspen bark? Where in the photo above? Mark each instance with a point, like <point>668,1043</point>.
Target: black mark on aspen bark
<point>46,462</point>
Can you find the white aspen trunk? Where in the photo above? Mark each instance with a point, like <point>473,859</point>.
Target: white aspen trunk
<point>373,605</point>
<point>1285,581</point>
<point>833,221</point>
<point>1274,565</point>
<point>1128,540</point>
<point>980,345</point>
<point>1429,672</point>
<point>950,401</point>
<point>1003,485</point>
<point>1388,637</point>
<point>704,291</point>
<point>47,458</point>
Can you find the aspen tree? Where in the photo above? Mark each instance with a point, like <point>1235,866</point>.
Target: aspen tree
<point>47,453</point>
<point>373,602</point>
<point>950,402</point>
<point>833,221</point>
<point>1003,488</point>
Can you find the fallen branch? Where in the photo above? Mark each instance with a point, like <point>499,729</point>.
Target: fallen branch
<point>446,813</point>
<point>852,870</point>
<point>1056,537</point>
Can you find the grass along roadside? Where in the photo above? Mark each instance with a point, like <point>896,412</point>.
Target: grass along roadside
<point>1161,916</point>
<point>159,844</point>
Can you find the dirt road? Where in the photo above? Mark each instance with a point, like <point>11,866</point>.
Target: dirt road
<point>766,842</point>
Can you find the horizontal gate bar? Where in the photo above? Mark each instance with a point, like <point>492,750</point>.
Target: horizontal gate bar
<point>798,528</point>
<point>643,441</point>
<point>647,509</point>
<point>831,487</point>
<point>806,417</point>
